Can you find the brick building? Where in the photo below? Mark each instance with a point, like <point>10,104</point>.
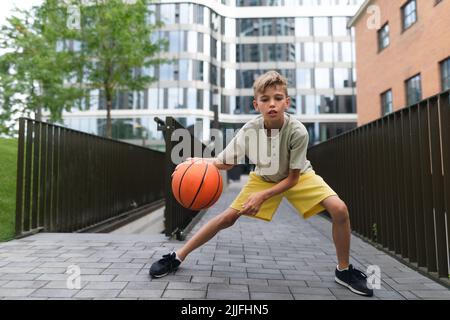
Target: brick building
<point>404,58</point>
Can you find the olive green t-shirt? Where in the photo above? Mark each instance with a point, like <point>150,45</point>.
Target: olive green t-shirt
<point>272,155</point>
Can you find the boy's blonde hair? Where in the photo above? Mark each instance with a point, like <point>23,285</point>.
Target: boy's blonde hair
<point>269,79</point>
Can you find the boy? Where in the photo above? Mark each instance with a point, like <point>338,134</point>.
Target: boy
<point>292,178</point>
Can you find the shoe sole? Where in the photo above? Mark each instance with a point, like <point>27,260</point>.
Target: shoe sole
<point>159,276</point>
<point>342,283</point>
<point>162,275</point>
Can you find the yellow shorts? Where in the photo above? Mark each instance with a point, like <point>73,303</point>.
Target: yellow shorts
<point>305,196</point>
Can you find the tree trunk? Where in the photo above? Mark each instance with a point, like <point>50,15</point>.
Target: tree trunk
<point>108,113</point>
<point>38,114</point>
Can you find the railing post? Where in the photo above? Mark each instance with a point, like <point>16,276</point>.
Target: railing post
<point>397,173</point>
<point>445,144</point>
<point>438,187</point>
<point>19,183</point>
<point>167,129</point>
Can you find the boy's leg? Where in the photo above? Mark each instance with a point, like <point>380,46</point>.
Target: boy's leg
<point>169,262</point>
<point>341,228</point>
<point>224,220</point>
<point>345,273</point>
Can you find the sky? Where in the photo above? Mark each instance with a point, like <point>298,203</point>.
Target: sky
<point>7,6</point>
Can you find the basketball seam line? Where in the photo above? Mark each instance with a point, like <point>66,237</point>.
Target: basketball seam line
<point>217,190</point>
<point>181,181</point>
<point>198,190</point>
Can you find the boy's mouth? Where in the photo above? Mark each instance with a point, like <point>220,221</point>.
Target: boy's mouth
<point>272,112</point>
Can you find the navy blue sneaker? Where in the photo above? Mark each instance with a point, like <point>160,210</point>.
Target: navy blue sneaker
<point>355,280</point>
<point>164,266</point>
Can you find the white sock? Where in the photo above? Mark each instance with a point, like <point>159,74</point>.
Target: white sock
<point>178,258</point>
<point>341,269</point>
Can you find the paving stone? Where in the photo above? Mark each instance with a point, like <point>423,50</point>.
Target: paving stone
<point>227,295</point>
<point>103,285</point>
<point>192,272</point>
<point>209,279</point>
<point>271,296</point>
<point>55,293</point>
<point>192,294</point>
<point>296,283</point>
<point>248,281</point>
<point>18,276</point>
<point>223,274</point>
<point>62,285</point>
<point>187,286</point>
<point>437,294</point>
<point>10,292</point>
<point>125,271</point>
<point>288,258</point>
<point>107,293</point>
<point>268,276</point>
<point>146,285</point>
<point>227,287</point>
<point>269,289</point>
<point>129,293</point>
<point>26,284</point>
<point>299,296</point>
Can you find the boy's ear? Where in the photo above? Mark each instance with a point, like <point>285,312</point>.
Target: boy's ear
<point>255,105</point>
<point>288,102</point>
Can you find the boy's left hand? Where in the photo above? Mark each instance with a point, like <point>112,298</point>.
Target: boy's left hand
<point>253,204</point>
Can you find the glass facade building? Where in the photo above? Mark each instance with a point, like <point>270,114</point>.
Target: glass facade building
<point>219,47</point>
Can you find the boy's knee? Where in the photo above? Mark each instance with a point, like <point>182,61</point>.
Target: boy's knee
<point>339,213</point>
<point>228,219</point>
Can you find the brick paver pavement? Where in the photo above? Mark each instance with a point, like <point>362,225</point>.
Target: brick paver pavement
<point>288,258</point>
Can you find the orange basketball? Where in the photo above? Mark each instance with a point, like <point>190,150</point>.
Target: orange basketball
<point>196,184</point>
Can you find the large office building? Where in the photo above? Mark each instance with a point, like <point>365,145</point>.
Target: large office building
<point>218,48</point>
<point>403,59</point>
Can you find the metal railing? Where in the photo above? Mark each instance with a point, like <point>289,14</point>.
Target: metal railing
<point>69,181</point>
<point>177,218</point>
<point>394,175</point>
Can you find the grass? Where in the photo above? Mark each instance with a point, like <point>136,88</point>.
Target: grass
<point>8,169</point>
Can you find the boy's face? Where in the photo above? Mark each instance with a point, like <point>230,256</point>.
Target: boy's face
<point>272,103</point>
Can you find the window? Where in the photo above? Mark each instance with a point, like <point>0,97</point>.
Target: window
<point>321,26</point>
<point>383,37</point>
<point>322,78</point>
<point>308,52</point>
<point>386,102</point>
<point>413,90</point>
<point>445,74</point>
<point>340,26</point>
<point>342,78</point>
<point>303,27</point>
<point>191,98</point>
<point>198,14</point>
<point>304,78</point>
<point>327,51</point>
<point>347,52</point>
<point>409,14</point>
<point>167,13</point>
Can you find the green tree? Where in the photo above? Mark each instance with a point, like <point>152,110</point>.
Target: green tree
<point>45,70</point>
<point>32,71</point>
<point>117,50</point>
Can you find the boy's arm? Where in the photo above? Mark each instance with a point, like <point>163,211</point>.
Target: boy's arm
<point>233,150</point>
<point>254,202</point>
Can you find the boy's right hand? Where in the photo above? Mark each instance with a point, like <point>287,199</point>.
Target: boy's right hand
<point>187,160</point>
